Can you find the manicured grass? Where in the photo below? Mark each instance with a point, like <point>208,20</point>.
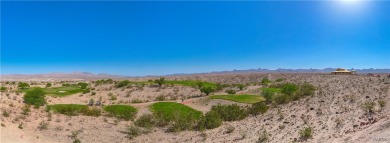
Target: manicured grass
<point>250,99</point>
<point>56,90</point>
<point>171,110</point>
<point>190,83</point>
<point>125,112</point>
<point>67,109</point>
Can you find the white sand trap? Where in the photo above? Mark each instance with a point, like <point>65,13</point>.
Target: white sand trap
<point>61,91</point>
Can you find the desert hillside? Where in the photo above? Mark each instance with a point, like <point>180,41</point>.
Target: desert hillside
<point>339,109</point>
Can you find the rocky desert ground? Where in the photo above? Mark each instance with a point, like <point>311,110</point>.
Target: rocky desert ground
<point>336,113</point>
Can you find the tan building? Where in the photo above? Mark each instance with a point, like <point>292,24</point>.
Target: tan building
<point>341,71</point>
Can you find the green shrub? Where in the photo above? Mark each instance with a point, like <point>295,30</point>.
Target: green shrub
<point>289,88</point>
<point>68,109</point>
<point>212,120</point>
<point>93,93</point>
<point>146,121</point>
<point>207,90</point>
<point>23,85</point>
<point>137,101</point>
<point>307,89</point>
<point>160,81</point>
<point>306,133</point>
<point>35,97</point>
<point>240,86</point>
<point>2,88</point>
<point>382,103</point>
<point>125,112</point>
<point>91,112</point>
<point>265,81</point>
<point>258,108</point>
<point>279,80</point>
<point>230,91</point>
<point>133,132</point>
<point>281,99</point>
<point>230,112</point>
<point>368,106</point>
<point>48,85</point>
<point>122,83</point>
<point>82,85</point>
<point>268,95</point>
<point>160,98</point>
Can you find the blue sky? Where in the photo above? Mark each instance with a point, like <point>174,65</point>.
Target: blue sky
<point>156,38</point>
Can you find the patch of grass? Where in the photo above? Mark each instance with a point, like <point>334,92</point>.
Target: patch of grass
<point>244,98</point>
<point>60,91</point>
<point>125,112</point>
<point>179,116</point>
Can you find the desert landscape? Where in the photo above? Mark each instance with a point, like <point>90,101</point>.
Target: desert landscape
<point>330,108</point>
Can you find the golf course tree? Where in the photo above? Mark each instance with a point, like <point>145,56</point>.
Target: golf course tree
<point>160,81</point>
<point>207,90</point>
<point>48,85</point>
<point>23,85</point>
<point>35,97</point>
<point>82,85</point>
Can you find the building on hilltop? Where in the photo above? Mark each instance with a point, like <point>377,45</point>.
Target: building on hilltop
<point>341,71</point>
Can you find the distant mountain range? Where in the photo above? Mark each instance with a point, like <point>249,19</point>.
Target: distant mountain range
<point>325,70</point>
<point>77,76</point>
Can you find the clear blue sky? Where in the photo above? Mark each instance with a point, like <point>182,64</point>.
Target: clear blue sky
<point>155,38</point>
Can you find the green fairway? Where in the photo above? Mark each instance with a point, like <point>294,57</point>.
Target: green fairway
<point>171,110</point>
<point>250,99</point>
<point>60,91</point>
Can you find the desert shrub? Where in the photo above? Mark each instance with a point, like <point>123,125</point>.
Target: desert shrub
<point>160,98</point>
<point>74,137</point>
<point>113,97</point>
<point>160,81</point>
<point>125,112</point>
<point>230,91</point>
<point>230,129</point>
<point>263,137</point>
<point>23,85</point>
<point>258,108</point>
<point>207,90</point>
<point>265,81</point>
<point>87,90</point>
<point>231,112</point>
<point>306,133</point>
<point>91,112</point>
<point>281,99</point>
<point>5,113</point>
<point>289,88</point>
<point>43,125</point>
<point>136,101</point>
<point>35,97</point>
<point>146,121</point>
<point>48,85</point>
<point>240,86</point>
<point>122,83</point>
<point>307,89</point>
<point>212,120</point>
<point>368,106</point>
<point>382,103</point>
<point>2,88</point>
<point>93,93</point>
<point>279,80</point>
<point>268,94</point>
<point>199,85</point>
<point>68,109</point>
<point>20,126</point>
<point>133,132</point>
<point>26,110</point>
<point>66,85</point>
